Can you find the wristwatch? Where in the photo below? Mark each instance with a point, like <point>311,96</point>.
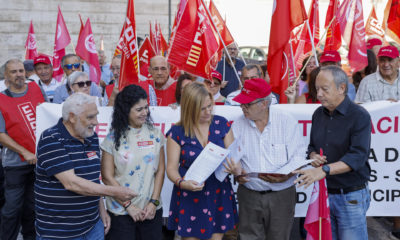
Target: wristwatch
<point>155,202</point>
<point>326,169</point>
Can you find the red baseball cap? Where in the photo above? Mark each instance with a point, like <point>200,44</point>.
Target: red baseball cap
<point>42,59</point>
<point>217,75</point>
<point>253,89</point>
<point>330,56</point>
<point>388,51</point>
<point>373,42</point>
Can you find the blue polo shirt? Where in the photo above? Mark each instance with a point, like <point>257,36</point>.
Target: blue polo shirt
<point>61,213</point>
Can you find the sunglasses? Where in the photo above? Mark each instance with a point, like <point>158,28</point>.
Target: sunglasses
<point>69,66</point>
<point>82,84</point>
<point>208,82</point>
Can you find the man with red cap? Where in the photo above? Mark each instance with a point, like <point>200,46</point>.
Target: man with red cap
<point>269,139</point>
<point>383,84</point>
<point>17,135</point>
<point>374,44</point>
<point>44,70</point>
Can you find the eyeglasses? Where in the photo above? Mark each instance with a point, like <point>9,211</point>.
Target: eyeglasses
<point>247,105</point>
<point>69,66</point>
<point>82,84</point>
<point>163,69</point>
<point>208,82</point>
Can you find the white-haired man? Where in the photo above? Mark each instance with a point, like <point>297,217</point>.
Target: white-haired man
<point>67,186</point>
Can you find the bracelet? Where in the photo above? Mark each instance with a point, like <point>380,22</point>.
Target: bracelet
<point>179,183</point>
<point>177,180</point>
<point>126,204</point>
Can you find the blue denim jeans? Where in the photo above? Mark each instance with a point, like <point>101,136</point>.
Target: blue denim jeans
<point>348,214</point>
<point>96,233</point>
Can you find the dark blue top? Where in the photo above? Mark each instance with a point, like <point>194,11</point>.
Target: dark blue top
<point>230,76</point>
<point>344,135</point>
<point>61,213</point>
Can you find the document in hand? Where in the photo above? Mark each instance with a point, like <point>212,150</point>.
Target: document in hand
<point>206,163</point>
<point>285,170</point>
<point>236,153</point>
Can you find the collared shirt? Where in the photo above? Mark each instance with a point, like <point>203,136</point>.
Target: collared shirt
<point>278,144</point>
<point>374,88</point>
<point>228,74</point>
<point>61,213</point>
<point>61,93</point>
<point>343,135</point>
<point>50,88</point>
<point>106,73</point>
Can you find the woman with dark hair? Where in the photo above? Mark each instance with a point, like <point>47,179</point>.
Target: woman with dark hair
<point>310,96</point>
<point>133,156</point>
<point>370,68</point>
<point>304,78</point>
<point>183,80</point>
<point>198,211</point>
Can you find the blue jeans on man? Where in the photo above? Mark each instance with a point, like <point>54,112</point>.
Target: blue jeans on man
<point>348,214</point>
<point>96,233</point>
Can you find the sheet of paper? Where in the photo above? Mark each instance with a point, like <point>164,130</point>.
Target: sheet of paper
<point>285,170</point>
<point>205,164</point>
<point>236,153</point>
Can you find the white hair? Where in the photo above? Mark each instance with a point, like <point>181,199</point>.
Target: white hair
<point>74,104</point>
<point>74,76</point>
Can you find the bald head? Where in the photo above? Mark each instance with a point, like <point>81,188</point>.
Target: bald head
<point>159,71</point>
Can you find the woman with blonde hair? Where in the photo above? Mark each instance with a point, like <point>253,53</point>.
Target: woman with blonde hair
<point>198,211</point>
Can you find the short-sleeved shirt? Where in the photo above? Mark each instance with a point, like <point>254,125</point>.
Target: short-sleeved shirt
<point>106,73</point>
<point>374,88</point>
<point>49,89</point>
<point>228,74</point>
<point>136,162</point>
<point>61,93</point>
<point>61,213</point>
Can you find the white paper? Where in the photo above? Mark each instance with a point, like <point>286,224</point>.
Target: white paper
<point>205,164</point>
<point>236,153</point>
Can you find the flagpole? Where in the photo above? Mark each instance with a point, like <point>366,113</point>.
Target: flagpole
<point>291,52</point>
<point>137,46</point>
<point>220,37</point>
<point>312,43</point>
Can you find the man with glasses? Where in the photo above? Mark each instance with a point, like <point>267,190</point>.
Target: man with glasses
<point>164,85</point>
<point>230,81</point>
<point>269,140</point>
<point>44,70</point>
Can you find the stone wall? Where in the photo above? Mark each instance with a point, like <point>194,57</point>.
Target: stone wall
<point>106,17</point>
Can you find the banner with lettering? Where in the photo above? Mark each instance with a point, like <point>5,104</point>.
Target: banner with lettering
<point>384,156</point>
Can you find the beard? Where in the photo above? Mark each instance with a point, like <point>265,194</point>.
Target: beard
<point>83,132</point>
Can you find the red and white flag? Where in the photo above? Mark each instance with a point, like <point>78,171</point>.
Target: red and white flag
<point>286,15</point>
<point>62,39</point>
<point>118,48</point>
<point>221,26</point>
<point>351,20</point>
<point>163,42</point>
<point>179,13</point>
<point>195,43</point>
<point>130,54</point>
<point>30,45</point>
<point>86,48</point>
<point>333,39</point>
<point>393,19</point>
<point>146,52</point>
<point>373,27</point>
<point>318,220</point>
<point>393,23</point>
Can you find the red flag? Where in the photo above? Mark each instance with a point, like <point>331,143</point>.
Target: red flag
<point>393,21</point>
<point>318,210</point>
<point>333,39</point>
<point>163,42</point>
<point>62,39</point>
<point>179,12</point>
<point>195,41</point>
<point>86,48</point>
<point>385,27</point>
<point>221,26</point>
<point>351,20</point>
<point>287,14</point>
<point>129,60</point>
<point>153,40</point>
<point>146,52</point>
<point>30,45</point>
<point>82,26</point>
<point>373,27</point>
<point>118,48</point>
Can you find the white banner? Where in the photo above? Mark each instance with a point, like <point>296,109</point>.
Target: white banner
<point>384,156</point>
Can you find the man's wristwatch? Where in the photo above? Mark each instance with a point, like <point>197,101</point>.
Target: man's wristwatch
<point>155,202</point>
<point>326,169</point>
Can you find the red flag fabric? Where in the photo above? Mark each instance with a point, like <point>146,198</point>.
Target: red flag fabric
<point>287,14</point>
<point>146,52</point>
<point>86,48</point>
<point>221,26</point>
<point>195,41</point>
<point>385,27</point>
<point>163,42</point>
<point>393,21</point>
<point>318,210</point>
<point>179,13</point>
<point>82,25</point>
<point>62,39</point>
<point>118,48</point>
<point>153,40</point>
<point>333,39</point>
<point>373,27</point>
<point>129,60</point>
<point>30,45</point>
<point>351,20</point>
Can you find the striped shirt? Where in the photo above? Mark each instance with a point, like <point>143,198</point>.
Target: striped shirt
<point>374,88</point>
<point>61,213</point>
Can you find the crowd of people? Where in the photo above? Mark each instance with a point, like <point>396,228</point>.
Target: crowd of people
<point>53,190</point>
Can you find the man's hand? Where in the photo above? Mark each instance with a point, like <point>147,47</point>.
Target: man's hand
<point>290,93</point>
<point>105,218</point>
<point>275,178</point>
<point>149,211</point>
<point>124,194</point>
<point>318,160</point>
<point>29,157</point>
<point>309,176</point>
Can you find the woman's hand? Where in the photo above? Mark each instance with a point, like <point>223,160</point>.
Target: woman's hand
<point>290,93</point>
<point>149,211</point>
<point>136,214</point>
<point>191,186</point>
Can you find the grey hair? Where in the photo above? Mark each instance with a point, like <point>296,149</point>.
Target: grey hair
<point>339,76</point>
<point>68,56</point>
<point>248,67</point>
<point>13,60</point>
<point>74,76</point>
<point>74,104</point>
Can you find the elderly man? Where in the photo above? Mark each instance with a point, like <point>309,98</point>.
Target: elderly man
<point>67,186</point>
<point>44,70</point>
<point>384,83</point>
<point>71,63</point>
<point>340,139</point>
<point>269,139</point>
<point>225,67</point>
<point>164,85</point>
<point>17,135</point>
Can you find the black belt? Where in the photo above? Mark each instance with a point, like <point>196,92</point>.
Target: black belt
<point>345,190</point>
<point>264,192</point>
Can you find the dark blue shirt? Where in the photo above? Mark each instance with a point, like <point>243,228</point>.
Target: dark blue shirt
<point>61,213</point>
<point>344,135</point>
<point>230,76</point>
